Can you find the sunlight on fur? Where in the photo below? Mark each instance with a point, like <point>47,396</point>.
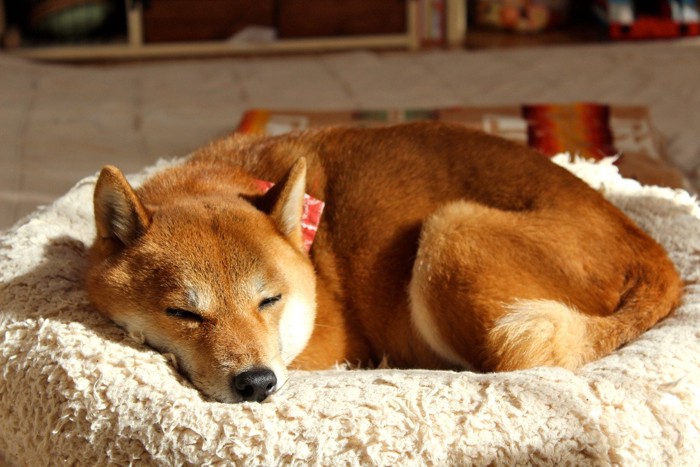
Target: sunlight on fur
<point>540,333</point>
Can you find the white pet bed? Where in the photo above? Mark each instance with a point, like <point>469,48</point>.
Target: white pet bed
<point>75,389</point>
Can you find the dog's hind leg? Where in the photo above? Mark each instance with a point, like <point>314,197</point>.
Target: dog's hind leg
<point>484,292</point>
<point>504,290</point>
<point>455,292</point>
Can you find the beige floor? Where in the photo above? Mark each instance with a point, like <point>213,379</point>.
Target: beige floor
<point>60,123</point>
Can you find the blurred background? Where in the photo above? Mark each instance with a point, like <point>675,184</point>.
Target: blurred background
<point>40,23</point>
<point>85,83</point>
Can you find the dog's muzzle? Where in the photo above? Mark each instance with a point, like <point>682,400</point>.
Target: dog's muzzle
<point>254,385</point>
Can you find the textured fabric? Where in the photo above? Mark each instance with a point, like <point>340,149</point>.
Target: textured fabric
<point>75,389</point>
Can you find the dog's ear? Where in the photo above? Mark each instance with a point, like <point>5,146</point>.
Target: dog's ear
<point>286,200</point>
<point>119,214</point>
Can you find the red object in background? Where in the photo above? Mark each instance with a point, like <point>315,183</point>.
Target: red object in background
<point>583,129</point>
<point>646,19</point>
<point>649,27</point>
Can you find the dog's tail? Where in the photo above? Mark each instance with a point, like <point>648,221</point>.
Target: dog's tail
<point>550,333</point>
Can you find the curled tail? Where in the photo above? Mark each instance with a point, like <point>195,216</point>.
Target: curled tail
<point>550,333</point>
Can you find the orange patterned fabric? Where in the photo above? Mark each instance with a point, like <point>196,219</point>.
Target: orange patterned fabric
<point>577,128</point>
<point>580,128</point>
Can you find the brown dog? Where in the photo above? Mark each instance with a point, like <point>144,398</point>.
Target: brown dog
<point>440,247</point>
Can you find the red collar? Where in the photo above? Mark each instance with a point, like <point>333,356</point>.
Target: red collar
<point>313,208</point>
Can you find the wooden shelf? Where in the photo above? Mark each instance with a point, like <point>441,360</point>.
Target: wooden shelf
<point>200,49</point>
<point>134,46</point>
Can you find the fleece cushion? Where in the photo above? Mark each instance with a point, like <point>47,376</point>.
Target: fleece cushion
<point>74,388</point>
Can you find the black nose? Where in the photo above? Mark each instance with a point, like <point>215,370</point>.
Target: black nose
<point>255,384</point>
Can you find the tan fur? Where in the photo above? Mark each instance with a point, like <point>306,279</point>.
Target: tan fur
<point>440,247</point>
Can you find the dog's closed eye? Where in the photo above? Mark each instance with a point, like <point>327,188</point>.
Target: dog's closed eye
<point>269,301</point>
<point>184,315</point>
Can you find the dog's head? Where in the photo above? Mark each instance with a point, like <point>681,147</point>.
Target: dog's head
<point>225,287</point>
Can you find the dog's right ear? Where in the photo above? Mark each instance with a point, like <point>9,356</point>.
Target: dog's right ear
<point>119,214</point>
<point>284,203</point>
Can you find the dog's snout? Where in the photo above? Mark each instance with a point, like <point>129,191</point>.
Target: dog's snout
<point>255,384</point>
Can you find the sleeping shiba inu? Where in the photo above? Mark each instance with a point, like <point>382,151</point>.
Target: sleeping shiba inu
<point>439,247</point>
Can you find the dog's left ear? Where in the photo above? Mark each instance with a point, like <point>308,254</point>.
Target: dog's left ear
<point>119,213</point>
<point>287,202</point>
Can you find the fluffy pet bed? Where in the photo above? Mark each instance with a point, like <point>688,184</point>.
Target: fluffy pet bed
<point>75,389</point>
